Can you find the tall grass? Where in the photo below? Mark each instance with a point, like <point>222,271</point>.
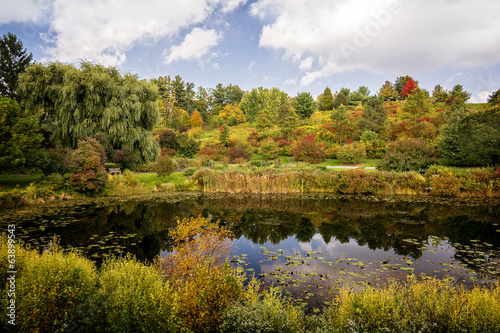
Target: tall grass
<point>275,181</point>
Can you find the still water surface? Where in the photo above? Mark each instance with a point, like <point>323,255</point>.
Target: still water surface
<point>309,246</point>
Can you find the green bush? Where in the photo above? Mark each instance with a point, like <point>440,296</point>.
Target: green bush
<point>269,149</point>
<point>132,297</point>
<point>165,166</point>
<point>49,287</point>
<point>189,171</point>
<point>266,312</point>
<point>352,153</point>
<point>408,155</point>
<point>187,146</point>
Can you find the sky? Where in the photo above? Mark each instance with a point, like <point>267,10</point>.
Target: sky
<point>295,45</point>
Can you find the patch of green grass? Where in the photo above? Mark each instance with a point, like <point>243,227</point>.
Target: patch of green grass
<point>151,179</point>
<point>148,179</point>
<point>9,182</point>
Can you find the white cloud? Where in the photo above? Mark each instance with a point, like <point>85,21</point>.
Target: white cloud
<point>306,64</point>
<point>105,30</point>
<point>291,81</point>
<point>252,64</point>
<point>387,35</point>
<point>23,11</point>
<point>230,5</point>
<point>196,45</point>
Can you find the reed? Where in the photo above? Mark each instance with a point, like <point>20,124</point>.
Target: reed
<point>280,181</point>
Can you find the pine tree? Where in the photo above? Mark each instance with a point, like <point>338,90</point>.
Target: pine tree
<point>14,60</point>
<point>326,100</point>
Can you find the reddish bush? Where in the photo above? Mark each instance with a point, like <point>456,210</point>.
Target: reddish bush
<point>87,166</point>
<point>238,153</point>
<point>167,152</point>
<point>307,150</point>
<point>210,153</point>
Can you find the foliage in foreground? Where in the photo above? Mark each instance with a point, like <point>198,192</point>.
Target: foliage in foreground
<point>58,291</point>
<point>416,306</point>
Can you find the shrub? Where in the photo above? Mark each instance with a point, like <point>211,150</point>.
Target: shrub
<point>352,153</point>
<point>125,157</point>
<point>125,184</point>
<point>307,150</point>
<point>58,160</point>
<point>132,297</point>
<point>187,146</point>
<point>167,152</point>
<point>167,139</point>
<point>189,171</point>
<point>416,306</point>
<point>238,153</point>
<point>197,267</point>
<point>269,149</point>
<point>87,167</point>
<point>262,313</point>
<point>49,287</point>
<point>408,155</point>
<point>165,166</point>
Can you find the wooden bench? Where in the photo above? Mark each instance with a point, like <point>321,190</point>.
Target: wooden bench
<point>115,171</point>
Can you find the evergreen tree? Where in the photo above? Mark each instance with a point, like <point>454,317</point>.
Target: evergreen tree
<point>288,121</point>
<point>326,100</point>
<point>304,105</point>
<point>13,61</point>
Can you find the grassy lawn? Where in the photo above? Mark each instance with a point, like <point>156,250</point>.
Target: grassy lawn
<point>151,179</point>
<point>9,182</point>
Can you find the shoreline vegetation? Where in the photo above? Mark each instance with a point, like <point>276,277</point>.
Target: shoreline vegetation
<point>193,289</point>
<point>437,181</point>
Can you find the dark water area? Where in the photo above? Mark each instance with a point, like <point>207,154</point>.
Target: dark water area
<point>309,246</point>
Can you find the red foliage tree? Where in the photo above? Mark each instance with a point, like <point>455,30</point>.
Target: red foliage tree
<point>408,88</point>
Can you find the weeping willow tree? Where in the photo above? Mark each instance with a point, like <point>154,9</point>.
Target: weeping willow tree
<point>75,103</point>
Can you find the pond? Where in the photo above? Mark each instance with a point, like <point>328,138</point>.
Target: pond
<point>309,246</point>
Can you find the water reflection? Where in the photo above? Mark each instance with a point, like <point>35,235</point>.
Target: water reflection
<point>372,230</point>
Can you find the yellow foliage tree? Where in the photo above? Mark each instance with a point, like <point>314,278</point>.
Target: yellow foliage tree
<point>195,119</point>
<point>232,110</point>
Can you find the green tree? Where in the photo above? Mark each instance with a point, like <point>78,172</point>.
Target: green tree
<point>304,105</point>
<point>234,94</point>
<point>179,91</point>
<point>340,99</point>
<point>340,126</point>
<point>374,117</point>
<point>326,100</point>
<point>439,95</point>
<point>13,61</point>
<point>408,155</point>
<point>263,100</point>
<point>494,98</point>
<point>74,103</point>
<point>472,138</point>
<point>288,121</point>
<point>20,140</point>
<point>186,145</point>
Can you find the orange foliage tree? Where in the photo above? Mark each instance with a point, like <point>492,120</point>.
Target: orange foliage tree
<point>196,120</point>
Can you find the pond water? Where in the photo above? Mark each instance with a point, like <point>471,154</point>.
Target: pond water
<point>310,246</point>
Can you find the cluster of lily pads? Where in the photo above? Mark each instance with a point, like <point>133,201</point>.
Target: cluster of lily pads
<point>311,278</point>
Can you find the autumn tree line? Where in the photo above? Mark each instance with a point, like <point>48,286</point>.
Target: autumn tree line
<point>48,111</point>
